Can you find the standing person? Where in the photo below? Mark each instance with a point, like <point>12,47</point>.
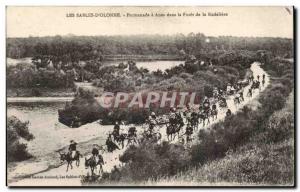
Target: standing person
<point>214,111</point>
<point>228,88</point>
<point>258,77</point>
<point>117,127</point>
<point>116,131</point>
<point>187,114</point>
<point>249,79</point>
<point>249,92</point>
<point>242,96</point>
<point>264,80</point>
<point>188,133</point>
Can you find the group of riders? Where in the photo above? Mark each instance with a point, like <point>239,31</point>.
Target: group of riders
<point>175,120</point>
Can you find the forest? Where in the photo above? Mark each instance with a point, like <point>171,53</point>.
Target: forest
<point>74,48</point>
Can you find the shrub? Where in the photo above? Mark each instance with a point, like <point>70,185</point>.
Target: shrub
<point>185,75</point>
<point>230,134</point>
<point>272,101</point>
<point>280,125</point>
<point>209,149</point>
<point>35,92</point>
<point>208,91</point>
<point>119,84</point>
<point>83,109</point>
<point>151,160</point>
<point>16,130</point>
<point>258,164</point>
<point>29,77</point>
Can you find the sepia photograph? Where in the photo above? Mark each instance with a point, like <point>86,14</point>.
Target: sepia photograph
<point>150,96</point>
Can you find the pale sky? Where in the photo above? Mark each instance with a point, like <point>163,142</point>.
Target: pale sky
<point>241,21</point>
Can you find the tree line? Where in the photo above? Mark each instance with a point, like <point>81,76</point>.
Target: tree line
<point>60,60</point>
<point>74,48</point>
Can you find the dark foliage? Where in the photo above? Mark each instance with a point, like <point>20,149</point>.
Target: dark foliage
<point>16,129</point>
<point>151,160</point>
<point>75,48</point>
<point>83,109</point>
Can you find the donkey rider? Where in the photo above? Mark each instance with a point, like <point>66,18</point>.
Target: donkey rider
<point>72,149</point>
<point>152,122</point>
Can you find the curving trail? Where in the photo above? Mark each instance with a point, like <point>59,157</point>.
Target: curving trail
<point>59,177</point>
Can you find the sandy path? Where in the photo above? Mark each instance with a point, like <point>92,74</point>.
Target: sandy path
<point>38,99</point>
<point>59,177</point>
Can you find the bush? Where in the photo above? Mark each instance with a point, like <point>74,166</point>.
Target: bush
<point>151,160</point>
<point>215,142</point>
<point>280,125</point>
<point>83,109</point>
<point>258,164</point>
<point>35,92</point>
<point>30,77</point>
<point>16,130</point>
<point>208,91</point>
<point>272,101</point>
<point>119,84</point>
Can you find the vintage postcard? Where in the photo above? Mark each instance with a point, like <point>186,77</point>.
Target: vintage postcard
<point>150,96</point>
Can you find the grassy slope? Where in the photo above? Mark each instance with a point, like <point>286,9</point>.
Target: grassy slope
<point>256,163</point>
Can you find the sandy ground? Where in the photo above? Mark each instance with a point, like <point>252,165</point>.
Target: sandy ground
<point>39,99</point>
<point>59,177</point>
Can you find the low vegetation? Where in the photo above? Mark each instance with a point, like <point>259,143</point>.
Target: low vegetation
<point>83,109</point>
<point>267,158</point>
<point>28,76</point>
<point>194,75</point>
<point>16,132</point>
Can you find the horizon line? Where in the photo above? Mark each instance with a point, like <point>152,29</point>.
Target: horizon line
<point>144,34</point>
